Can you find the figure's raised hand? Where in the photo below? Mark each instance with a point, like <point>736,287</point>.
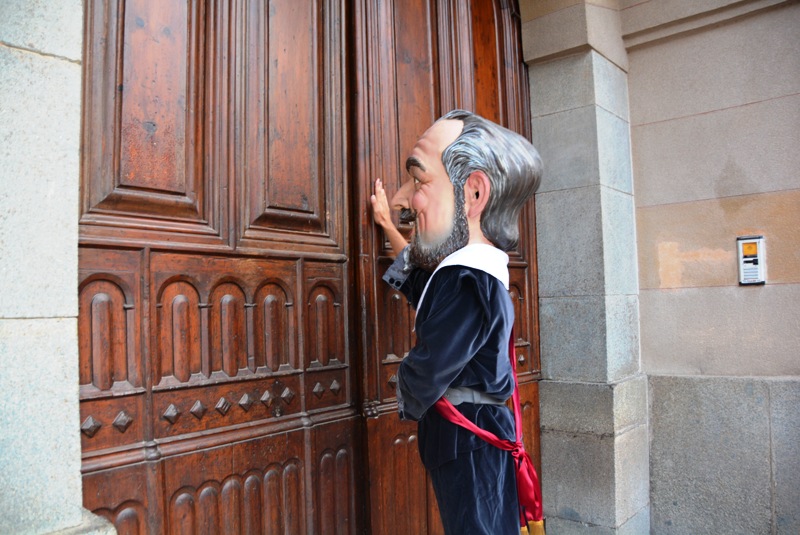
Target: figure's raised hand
<point>382,216</point>
<point>380,206</point>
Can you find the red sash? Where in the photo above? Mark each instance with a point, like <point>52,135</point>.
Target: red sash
<point>528,489</point>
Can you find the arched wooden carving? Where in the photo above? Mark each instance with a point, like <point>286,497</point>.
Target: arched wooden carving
<point>266,501</point>
<point>105,362</point>
<point>324,324</point>
<point>335,496</point>
<point>178,327</point>
<point>275,331</point>
<point>228,330</point>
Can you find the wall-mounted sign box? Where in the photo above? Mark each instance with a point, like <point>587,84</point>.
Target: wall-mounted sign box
<point>752,260</point>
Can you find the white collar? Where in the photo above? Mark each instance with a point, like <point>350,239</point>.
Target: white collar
<point>481,256</point>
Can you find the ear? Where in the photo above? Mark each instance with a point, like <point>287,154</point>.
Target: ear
<point>476,194</point>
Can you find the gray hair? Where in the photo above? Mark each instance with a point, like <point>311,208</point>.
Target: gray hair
<point>510,162</point>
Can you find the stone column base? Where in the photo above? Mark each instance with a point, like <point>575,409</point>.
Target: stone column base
<point>91,524</point>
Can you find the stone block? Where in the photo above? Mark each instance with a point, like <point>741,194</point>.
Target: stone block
<point>40,131</point>
<point>631,473</point>
<point>554,33</point>
<point>562,84</point>
<point>630,403</point>
<point>591,479</point>
<point>732,152</point>
<point>614,152</point>
<point>578,477</point>
<point>638,525</point>
<point>567,142</point>
<point>738,330</point>
<point>573,339</point>
<point>589,339</point>
<point>570,243</point>
<point>29,24</point>
<point>599,409</point>
<point>752,59</point>
<point>583,147</point>
<point>558,32</point>
<point>576,407</point>
<point>90,525</point>
<point>622,336</point>
<point>41,484</point>
<point>621,273</point>
<point>610,85</point>
<point>604,33</point>
<point>785,426</point>
<point>710,455</point>
<point>577,81</point>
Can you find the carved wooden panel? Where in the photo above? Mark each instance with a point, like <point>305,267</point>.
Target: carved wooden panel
<point>143,96</point>
<point>111,369</point>
<point>109,300</point>
<point>120,495</point>
<point>288,94</point>
<point>338,476</point>
<point>258,486</point>
<point>200,110</point>
<point>214,318</point>
<point>397,478</point>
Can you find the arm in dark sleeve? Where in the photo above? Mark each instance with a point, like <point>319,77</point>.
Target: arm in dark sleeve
<point>454,328</point>
<point>405,278</point>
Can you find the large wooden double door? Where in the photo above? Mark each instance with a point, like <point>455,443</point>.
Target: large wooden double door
<point>238,350</point>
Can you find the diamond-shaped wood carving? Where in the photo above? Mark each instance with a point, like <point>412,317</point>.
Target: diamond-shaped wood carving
<point>246,402</point>
<point>90,426</point>
<point>287,395</point>
<point>198,410</point>
<point>335,386</point>
<point>393,380</point>
<point>171,414</point>
<point>122,422</point>
<point>319,390</point>
<point>267,399</point>
<point>223,406</point>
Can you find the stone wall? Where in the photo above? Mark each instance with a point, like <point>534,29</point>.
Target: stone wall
<point>40,96</point>
<point>702,99</point>
<point>715,119</point>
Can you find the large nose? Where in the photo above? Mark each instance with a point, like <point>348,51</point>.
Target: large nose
<point>402,199</point>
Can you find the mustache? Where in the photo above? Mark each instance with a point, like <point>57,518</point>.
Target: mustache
<point>407,215</point>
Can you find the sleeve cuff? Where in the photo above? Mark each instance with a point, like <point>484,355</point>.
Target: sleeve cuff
<point>398,272</point>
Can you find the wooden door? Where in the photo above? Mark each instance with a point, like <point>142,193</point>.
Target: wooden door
<point>236,345</point>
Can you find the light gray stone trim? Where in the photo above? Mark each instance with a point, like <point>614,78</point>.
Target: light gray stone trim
<point>40,96</point>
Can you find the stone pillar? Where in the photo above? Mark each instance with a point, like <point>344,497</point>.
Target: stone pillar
<point>40,97</point>
<point>593,396</point>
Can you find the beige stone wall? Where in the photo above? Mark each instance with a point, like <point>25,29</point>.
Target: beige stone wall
<point>709,94</point>
<point>715,120</point>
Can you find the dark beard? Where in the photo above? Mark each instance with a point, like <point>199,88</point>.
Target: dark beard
<point>428,258</point>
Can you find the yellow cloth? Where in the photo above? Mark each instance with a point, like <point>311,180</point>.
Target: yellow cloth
<point>533,528</point>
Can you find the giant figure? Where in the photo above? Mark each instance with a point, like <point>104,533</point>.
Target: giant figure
<point>468,181</point>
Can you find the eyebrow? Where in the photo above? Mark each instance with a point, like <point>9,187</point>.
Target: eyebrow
<point>413,161</point>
